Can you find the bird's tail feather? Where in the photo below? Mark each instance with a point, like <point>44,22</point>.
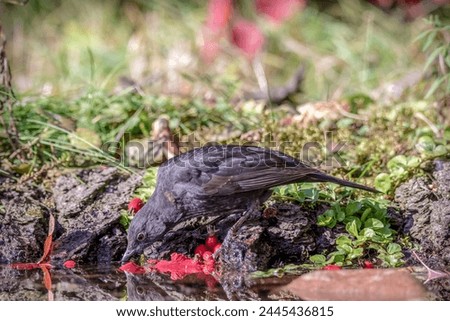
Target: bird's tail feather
<point>322,177</point>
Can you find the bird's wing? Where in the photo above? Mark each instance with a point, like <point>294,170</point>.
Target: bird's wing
<point>248,168</point>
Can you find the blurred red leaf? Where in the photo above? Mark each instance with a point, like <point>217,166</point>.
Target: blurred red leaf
<point>247,37</point>
<point>278,10</point>
<point>48,240</point>
<point>132,268</point>
<point>47,281</point>
<point>219,13</point>
<point>24,266</point>
<point>408,2</point>
<point>383,3</point>
<point>47,278</point>
<point>179,266</point>
<point>209,50</point>
<point>47,249</point>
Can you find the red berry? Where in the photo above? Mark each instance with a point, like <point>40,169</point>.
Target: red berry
<point>208,269</point>
<point>332,267</point>
<point>135,205</point>
<point>69,264</point>
<point>211,241</point>
<point>217,247</point>
<point>207,255</point>
<point>199,250</point>
<point>209,266</point>
<point>368,265</point>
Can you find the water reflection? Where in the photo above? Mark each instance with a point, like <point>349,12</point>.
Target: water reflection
<point>107,283</point>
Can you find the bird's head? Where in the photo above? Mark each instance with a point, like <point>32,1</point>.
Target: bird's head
<point>145,229</point>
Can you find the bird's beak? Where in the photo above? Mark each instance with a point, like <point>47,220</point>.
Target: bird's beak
<point>129,253</point>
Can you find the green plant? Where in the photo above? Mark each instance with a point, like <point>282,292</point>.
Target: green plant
<point>368,227</point>
<point>305,192</point>
<point>436,46</point>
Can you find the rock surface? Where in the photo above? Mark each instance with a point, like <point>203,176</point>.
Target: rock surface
<point>23,221</point>
<point>287,236</point>
<point>88,205</point>
<point>425,205</point>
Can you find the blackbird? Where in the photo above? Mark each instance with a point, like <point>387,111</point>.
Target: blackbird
<point>216,180</point>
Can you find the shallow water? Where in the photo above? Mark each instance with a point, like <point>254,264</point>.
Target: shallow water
<point>107,283</point>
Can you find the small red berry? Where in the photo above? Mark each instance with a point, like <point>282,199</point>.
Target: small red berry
<point>368,265</point>
<point>135,205</point>
<point>332,267</point>
<point>209,266</point>
<point>217,247</point>
<point>211,241</point>
<point>207,255</point>
<point>69,264</point>
<point>200,249</point>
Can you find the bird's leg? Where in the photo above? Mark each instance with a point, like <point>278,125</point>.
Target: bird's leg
<point>251,212</point>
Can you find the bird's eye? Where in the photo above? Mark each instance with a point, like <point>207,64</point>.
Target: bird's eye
<point>140,237</point>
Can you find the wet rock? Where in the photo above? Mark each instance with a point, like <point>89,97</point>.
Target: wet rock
<point>88,204</point>
<point>261,243</point>
<point>157,287</point>
<point>74,285</point>
<point>23,222</point>
<point>425,205</point>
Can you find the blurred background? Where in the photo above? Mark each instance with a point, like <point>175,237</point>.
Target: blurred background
<point>88,74</point>
<point>346,46</point>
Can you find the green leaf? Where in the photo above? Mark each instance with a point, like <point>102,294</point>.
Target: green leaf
<point>440,150</point>
<point>337,258</point>
<point>393,248</point>
<point>432,57</point>
<point>434,87</point>
<point>368,232</point>
<point>327,219</point>
<point>374,224</point>
<point>353,207</point>
<point>447,134</point>
<point>383,183</point>
<point>386,232</point>
<point>125,220</point>
<point>425,145</point>
<point>346,248</point>
<point>352,228</point>
<point>343,239</point>
<point>318,259</point>
<point>398,161</point>
<point>365,214</point>
<point>358,252</point>
<point>429,39</point>
<point>340,217</point>
<point>413,162</point>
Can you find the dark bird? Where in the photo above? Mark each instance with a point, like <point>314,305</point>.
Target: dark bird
<point>218,179</point>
